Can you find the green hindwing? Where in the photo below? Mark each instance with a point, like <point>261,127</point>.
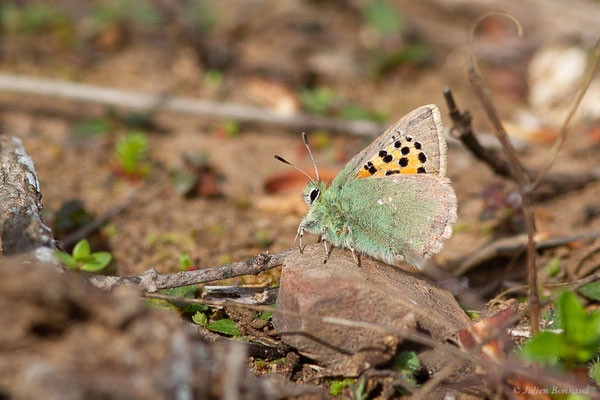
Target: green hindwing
<point>405,215</point>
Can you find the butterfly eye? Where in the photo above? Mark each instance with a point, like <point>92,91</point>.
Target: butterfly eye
<point>314,195</point>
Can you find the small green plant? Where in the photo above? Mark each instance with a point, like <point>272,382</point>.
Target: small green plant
<point>185,261</point>
<point>265,315</point>
<point>83,259</point>
<point>130,153</point>
<point>336,387</point>
<point>200,319</point>
<point>407,363</point>
<point>359,389</point>
<point>577,343</point>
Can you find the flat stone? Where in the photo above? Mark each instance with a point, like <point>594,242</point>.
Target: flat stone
<point>373,292</point>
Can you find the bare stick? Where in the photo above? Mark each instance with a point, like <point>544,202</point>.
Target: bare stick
<point>516,168</point>
<point>482,93</point>
<point>151,282</point>
<point>151,102</point>
<point>512,245</point>
<point>462,126</point>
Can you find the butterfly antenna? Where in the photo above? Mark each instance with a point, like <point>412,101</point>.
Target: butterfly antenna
<point>305,138</point>
<point>283,160</point>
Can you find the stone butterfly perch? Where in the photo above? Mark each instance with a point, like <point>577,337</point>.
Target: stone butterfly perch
<point>392,200</point>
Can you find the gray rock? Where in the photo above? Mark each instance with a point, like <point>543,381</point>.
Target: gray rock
<point>374,292</point>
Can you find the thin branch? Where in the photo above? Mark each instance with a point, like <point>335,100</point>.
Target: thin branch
<point>464,129</point>
<point>512,245</point>
<point>206,108</point>
<point>482,93</point>
<point>151,282</point>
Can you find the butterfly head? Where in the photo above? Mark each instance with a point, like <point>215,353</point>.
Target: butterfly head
<point>315,188</point>
<point>312,192</point>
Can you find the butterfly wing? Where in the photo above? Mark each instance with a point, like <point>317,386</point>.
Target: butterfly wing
<point>408,215</point>
<point>413,145</point>
<point>399,182</point>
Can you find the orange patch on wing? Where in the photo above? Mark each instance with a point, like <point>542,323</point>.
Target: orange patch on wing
<point>391,161</point>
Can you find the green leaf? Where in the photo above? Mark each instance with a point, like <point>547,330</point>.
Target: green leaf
<point>265,315</point>
<point>545,347</point>
<point>82,250</point>
<point>359,389</point>
<point>574,318</point>
<point>65,259</point>
<point>200,319</point>
<point>591,290</point>
<point>98,262</point>
<point>383,17</point>
<point>406,361</point>
<point>182,291</point>
<point>188,291</point>
<point>225,326</point>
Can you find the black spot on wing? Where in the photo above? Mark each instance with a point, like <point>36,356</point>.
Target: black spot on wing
<point>391,172</point>
<point>405,151</point>
<point>422,157</point>
<point>403,162</point>
<point>421,170</point>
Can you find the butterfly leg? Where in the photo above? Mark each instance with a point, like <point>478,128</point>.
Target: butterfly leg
<point>299,233</point>
<point>323,231</point>
<point>354,254</point>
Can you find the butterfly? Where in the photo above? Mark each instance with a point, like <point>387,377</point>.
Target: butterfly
<point>392,201</point>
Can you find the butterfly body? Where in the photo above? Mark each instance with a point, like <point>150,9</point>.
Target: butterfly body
<point>393,199</point>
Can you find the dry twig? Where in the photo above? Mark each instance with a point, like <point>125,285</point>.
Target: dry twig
<point>513,245</point>
<point>150,281</point>
<point>206,108</point>
<point>482,93</point>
